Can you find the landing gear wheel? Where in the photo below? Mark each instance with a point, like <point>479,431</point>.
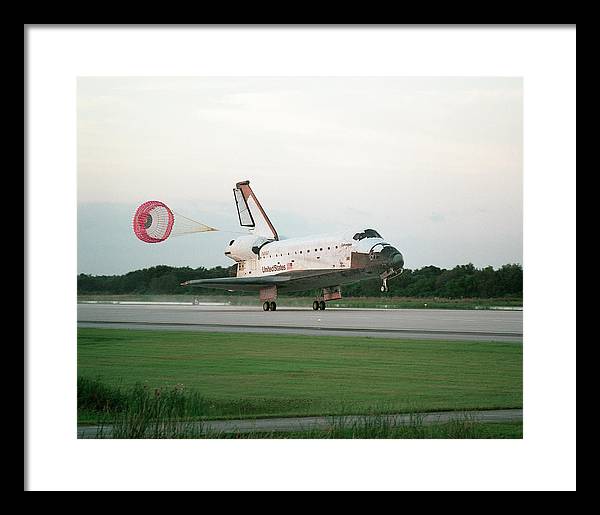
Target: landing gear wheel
<point>273,306</point>
<point>266,306</point>
<point>322,305</point>
<point>384,286</point>
<point>316,305</point>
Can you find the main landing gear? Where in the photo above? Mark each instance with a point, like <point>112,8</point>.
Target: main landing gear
<point>319,304</point>
<point>269,306</point>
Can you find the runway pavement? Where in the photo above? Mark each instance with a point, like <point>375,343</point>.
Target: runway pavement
<point>322,423</point>
<point>480,325</point>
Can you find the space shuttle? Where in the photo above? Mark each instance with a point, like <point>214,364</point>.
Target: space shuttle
<point>268,265</point>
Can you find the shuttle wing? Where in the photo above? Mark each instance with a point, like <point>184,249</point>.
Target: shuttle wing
<point>239,283</point>
<point>288,281</point>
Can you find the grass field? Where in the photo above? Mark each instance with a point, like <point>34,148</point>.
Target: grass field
<point>252,375</point>
<point>455,430</point>
<point>135,425</point>
<point>349,302</point>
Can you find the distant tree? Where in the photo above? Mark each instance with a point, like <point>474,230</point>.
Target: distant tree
<point>429,281</point>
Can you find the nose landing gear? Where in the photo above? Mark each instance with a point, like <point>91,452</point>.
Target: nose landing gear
<point>269,306</point>
<point>384,286</point>
<point>389,274</point>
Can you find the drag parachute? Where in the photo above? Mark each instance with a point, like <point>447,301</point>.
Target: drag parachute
<point>154,222</point>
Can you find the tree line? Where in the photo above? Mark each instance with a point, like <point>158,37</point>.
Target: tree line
<point>429,281</point>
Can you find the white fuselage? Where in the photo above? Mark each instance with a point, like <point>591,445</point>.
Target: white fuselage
<point>326,252</point>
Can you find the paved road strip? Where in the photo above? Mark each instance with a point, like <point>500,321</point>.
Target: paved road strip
<point>294,424</point>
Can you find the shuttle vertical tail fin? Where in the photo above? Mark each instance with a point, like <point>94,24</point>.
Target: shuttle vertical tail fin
<point>251,213</point>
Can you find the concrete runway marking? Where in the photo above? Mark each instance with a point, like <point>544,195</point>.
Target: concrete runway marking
<point>477,325</point>
<point>298,327</point>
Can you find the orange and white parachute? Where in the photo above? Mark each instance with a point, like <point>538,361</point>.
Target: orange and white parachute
<point>154,222</point>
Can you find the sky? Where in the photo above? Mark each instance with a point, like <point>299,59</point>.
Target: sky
<point>433,164</point>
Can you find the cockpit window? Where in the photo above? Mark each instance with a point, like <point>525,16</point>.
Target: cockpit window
<point>367,233</point>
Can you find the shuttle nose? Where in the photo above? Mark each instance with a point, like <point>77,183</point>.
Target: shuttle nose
<point>398,260</point>
<point>392,256</point>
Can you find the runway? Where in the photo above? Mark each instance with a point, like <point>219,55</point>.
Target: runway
<point>293,424</point>
<point>480,325</point>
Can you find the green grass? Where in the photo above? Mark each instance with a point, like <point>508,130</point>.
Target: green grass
<point>236,375</point>
<point>140,412</point>
<point>348,302</point>
<point>455,430</point>
<point>132,427</point>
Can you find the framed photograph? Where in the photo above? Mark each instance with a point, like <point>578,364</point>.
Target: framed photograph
<point>299,248</point>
